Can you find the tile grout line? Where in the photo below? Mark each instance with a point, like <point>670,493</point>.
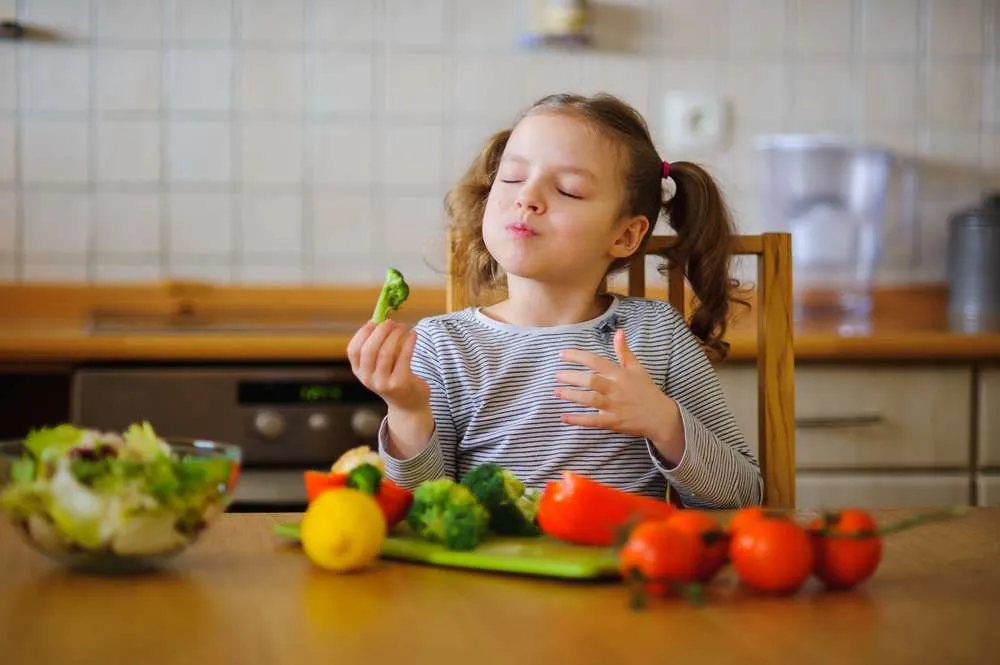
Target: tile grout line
<point>788,64</point>
<point>93,142</point>
<point>449,20</point>
<point>859,74</point>
<point>307,262</point>
<point>376,167</point>
<point>921,122</point>
<point>987,76</point>
<point>236,125</point>
<point>20,223</point>
<point>169,17</point>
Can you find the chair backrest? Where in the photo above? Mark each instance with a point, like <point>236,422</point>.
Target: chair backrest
<point>775,344</point>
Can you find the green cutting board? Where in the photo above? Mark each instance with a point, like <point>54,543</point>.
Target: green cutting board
<point>541,556</point>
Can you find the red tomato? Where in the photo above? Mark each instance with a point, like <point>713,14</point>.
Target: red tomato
<point>772,554</point>
<point>712,541</point>
<point>662,554</point>
<point>842,563</point>
<point>744,517</point>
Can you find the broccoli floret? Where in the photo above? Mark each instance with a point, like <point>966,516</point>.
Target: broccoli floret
<point>447,513</point>
<point>394,293</point>
<point>365,477</point>
<point>512,509</point>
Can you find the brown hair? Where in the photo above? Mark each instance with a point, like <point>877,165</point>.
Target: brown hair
<point>697,212</point>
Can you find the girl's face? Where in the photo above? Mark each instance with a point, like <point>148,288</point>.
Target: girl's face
<point>554,212</point>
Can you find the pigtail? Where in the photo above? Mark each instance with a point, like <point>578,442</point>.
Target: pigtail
<point>465,204</point>
<point>705,242</point>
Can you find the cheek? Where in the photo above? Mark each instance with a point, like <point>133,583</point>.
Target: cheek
<point>497,202</point>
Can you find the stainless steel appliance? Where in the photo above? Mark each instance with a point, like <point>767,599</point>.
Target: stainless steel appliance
<point>974,268</point>
<point>286,418</point>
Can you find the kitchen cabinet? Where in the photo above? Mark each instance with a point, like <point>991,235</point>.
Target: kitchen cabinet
<point>886,490</point>
<point>865,417</point>
<point>988,488</point>
<point>989,417</point>
<point>872,434</point>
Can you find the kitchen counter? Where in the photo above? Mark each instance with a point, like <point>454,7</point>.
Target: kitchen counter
<point>240,596</point>
<point>194,322</point>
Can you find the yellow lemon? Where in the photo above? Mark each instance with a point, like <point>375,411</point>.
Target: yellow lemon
<point>343,530</point>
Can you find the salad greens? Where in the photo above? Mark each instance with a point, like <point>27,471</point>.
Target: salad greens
<point>127,494</point>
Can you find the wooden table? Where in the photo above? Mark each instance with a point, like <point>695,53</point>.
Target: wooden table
<point>242,597</point>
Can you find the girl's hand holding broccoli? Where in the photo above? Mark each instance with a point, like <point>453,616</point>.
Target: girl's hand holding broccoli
<point>380,356</point>
<point>625,399</point>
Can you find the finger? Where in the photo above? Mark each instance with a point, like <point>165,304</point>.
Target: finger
<point>357,342</point>
<point>600,420</point>
<point>369,352</point>
<point>584,380</point>
<point>404,362</point>
<point>625,356</point>
<point>591,360</point>
<point>584,397</point>
<point>386,358</point>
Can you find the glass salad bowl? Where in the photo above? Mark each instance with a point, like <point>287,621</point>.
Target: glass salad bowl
<point>112,502</point>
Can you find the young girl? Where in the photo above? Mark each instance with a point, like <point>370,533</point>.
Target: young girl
<point>561,375</point>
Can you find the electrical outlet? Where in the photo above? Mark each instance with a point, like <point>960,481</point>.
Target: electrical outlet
<point>694,122</point>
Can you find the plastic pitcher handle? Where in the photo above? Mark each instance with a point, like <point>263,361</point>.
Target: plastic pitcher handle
<point>910,195</point>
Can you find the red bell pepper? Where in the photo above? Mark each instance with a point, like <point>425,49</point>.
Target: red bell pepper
<point>391,498</point>
<point>584,511</point>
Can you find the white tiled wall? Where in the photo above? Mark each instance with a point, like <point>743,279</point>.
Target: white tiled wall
<point>313,140</point>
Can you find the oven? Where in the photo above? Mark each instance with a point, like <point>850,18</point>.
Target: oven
<point>284,418</point>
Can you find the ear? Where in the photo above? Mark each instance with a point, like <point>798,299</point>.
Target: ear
<point>629,235</point>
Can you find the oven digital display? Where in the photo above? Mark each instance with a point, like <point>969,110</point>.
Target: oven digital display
<point>303,392</point>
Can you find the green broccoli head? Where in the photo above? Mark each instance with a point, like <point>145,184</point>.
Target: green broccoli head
<point>394,293</point>
<point>365,477</point>
<point>512,509</point>
<point>446,512</point>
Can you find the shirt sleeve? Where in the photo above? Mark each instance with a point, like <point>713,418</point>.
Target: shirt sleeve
<point>437,460</point>
<point>717,469</point>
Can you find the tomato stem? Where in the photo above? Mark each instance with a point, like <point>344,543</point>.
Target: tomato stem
<point>896,527</point>
<point>714,536</point>
<point>637,590</point>
<point>694,592</point>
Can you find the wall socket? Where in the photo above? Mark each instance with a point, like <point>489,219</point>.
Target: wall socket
<point>694,122</point>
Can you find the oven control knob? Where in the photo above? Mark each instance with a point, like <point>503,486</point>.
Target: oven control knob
<point>319,422</point>
<point>365,423</point>
<point>269,424</point>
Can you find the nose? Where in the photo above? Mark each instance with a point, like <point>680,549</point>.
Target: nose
<point>528,200</point>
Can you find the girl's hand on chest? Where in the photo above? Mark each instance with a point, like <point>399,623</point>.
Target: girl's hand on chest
<point>623,395</point>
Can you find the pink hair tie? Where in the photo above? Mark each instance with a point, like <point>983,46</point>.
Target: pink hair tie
<point>666,169</point>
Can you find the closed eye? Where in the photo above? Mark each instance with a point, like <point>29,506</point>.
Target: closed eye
<point>561,191</point>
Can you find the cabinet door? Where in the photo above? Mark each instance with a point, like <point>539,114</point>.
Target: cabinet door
<point>865,417</point>
<point>988,489</point>
<point>989,416</point>
<point>833,490</point>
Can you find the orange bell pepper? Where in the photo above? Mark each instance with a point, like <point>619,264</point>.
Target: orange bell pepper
<point>586,512</point>
<point>391,498</point>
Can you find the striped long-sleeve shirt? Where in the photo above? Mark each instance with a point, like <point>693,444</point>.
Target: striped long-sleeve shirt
<point>492,400</point>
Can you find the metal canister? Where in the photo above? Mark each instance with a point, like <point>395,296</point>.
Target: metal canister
<point>974,268</point>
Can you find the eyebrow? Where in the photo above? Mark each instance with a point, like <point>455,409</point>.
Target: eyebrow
<point>568,168</point>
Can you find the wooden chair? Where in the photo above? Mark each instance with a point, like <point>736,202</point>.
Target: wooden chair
<point>775,350</point>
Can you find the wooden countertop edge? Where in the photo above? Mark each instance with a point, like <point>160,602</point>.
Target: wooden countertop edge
<point>48,324</point>
<point>333,348</point>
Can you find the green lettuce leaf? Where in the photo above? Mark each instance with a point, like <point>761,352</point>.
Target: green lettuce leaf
<point>49,443</point>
